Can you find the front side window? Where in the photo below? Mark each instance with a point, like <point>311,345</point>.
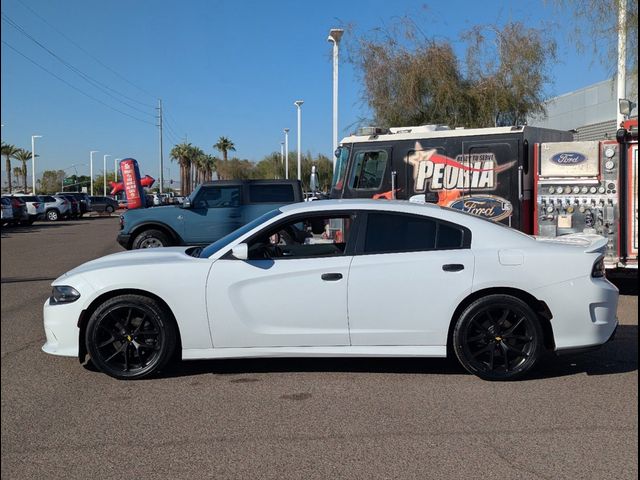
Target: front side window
<point>395,233</point>
<point>368,170</point>
<point>218,197</point>
<point>303,237</point>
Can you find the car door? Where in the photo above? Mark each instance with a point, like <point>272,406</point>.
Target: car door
<point>409,275</point>
<point>214,212</point>
<point>294,296</point>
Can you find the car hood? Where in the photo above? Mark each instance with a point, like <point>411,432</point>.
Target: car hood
<point>147,256</point>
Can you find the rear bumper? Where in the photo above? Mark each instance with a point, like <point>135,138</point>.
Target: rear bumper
<point>584,312</point>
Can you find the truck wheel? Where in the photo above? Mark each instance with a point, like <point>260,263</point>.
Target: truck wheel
<point>151,239</point>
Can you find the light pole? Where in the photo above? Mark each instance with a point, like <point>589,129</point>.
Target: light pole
<point>104,175</point>
<point>33,161</point>
<point>298,104</point>
<point>286,153</point>
<point>91,170</point>
<point>335,34</point>
<point>115,167</point>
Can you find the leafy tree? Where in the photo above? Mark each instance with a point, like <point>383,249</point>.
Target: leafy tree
<point>9,151</point>
<point>51,181</point>
<point>23,156</point>
<point>98,183</point>
<point>17,174</point>
<point>594,27</point>
<point>225,145</point>
<point>410,79</point>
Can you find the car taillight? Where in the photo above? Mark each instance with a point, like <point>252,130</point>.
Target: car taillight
<point>121,222</point>
<point>598,270</point>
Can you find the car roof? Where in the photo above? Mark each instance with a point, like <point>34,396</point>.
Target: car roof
<point>361,204</point>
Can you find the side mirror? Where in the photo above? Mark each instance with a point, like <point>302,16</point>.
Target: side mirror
<point>241,251</point>
<point>186,203</point>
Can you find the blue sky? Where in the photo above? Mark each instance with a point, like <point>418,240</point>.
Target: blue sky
<point>221,67</point>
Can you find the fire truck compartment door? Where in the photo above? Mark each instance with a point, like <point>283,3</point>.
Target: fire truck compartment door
<point>431,291</point>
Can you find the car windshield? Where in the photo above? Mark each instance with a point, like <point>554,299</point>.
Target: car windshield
<point>217,245</point>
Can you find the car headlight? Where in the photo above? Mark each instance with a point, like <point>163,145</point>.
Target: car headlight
<point>63,294</point>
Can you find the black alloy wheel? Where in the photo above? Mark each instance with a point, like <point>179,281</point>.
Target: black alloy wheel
<point>498,337</point>
<point>130,337</point>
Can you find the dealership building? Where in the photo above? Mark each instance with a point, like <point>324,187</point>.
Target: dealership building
<point>589,112</point>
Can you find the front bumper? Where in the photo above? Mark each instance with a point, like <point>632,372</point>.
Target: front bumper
<point>61,328</point>
<point>124,240</point>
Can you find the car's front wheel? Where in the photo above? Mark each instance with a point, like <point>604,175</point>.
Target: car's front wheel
<point>151,239</point>
<point>498,337</point>
<point>130,337</point>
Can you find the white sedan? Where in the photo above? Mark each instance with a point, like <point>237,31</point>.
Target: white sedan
<point>340,278</point>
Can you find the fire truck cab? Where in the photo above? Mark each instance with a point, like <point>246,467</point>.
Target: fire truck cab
<point>483,171</point>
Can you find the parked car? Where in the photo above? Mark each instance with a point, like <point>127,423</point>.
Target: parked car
<point>213,210</point>
<point>103,204</point>
<point>83,200</point>
<point>20,214</point>
<point>7,211</point>
<point>35,207</point>
<point>55,207</point>
<point>74,204</point>
<point>341,278</point>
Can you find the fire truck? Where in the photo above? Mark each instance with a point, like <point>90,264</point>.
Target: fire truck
<point>484,171</point>
<point>591,187</point>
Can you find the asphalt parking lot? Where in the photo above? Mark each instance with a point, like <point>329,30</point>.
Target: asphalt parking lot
<point>576,417</point>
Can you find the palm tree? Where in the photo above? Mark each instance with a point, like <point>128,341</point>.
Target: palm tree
<point>9,152</point>
<point>24,156</point>
<point>209,167</point>
<point>182,154</point>
<point>225,145</point>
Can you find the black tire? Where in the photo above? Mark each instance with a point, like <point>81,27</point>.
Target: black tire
<point>53,215</point>
<point>151,239</point>
<point>498,337</point>
<point>130,337</point>
<point>109,209</point>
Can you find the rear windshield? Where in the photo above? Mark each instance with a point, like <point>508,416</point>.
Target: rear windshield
<point>271,194</point>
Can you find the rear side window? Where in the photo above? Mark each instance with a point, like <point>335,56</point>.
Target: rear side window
<point>394,233</point>
<point>271,193</point>
<point>30,199</point>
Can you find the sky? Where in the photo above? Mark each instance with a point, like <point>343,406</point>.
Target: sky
<point>222,68</point>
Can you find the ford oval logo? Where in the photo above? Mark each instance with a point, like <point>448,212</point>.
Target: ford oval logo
<point>487,206</point>
<point>568,158</point>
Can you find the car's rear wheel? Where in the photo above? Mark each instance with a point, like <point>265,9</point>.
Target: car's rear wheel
<point>109,209</point>
<point>498,337</point>
<point>53,215</point>
<point>151,239</point>
<point>130,337</point>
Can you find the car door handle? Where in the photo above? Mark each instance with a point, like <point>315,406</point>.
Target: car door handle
<point>331,277</point>
<point>453,267</point>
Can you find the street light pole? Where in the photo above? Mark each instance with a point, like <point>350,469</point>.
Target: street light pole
<point>281,156</point>
<point>33,161</point>
<point>334,36</point>
<point>104,175</point>
<point>115,167</point>
<point>286,153</point>
<point>298,104</point>
<point>91,169</point>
